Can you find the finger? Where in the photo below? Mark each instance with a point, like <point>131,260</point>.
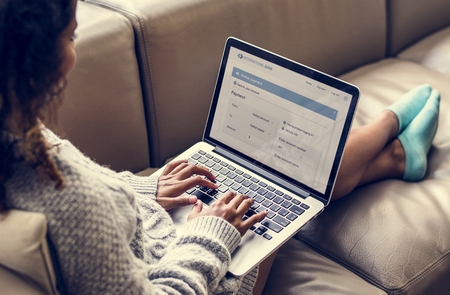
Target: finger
<point>227,197</point>
<point>198,207</point>
<point>254,219</point>
<point>196,210</point>
<point>183,200</point>
<point>187,171</point>
<point>245,205</point>
<point>180,170</point>
<point>171,166</point>
<point>205,172</point>
<point>240,199</point>
<point>191,182</point>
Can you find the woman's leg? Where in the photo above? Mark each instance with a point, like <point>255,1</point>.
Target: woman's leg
<point>374,151</point>
<point>370,155</point>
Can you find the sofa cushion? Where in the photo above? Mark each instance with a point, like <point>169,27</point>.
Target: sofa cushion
<point>180,44</point>
<point>103,112</point>
<point>25,263</point>
<point>433,51</point>
<point>393,234</point>
<point>298,270</point>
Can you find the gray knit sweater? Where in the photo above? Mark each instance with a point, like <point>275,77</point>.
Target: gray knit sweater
<point>112,237</point>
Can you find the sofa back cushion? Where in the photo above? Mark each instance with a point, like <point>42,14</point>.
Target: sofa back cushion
<point>180,44</point>
<point>103,112</point>
<point>409,21</point>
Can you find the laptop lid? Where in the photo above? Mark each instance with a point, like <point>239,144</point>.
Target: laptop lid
<point>281,119</point>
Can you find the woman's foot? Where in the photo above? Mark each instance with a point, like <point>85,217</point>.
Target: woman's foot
<point>411,103</point>
<point>417,137</point>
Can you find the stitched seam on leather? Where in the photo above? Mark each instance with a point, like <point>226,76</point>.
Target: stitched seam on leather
<point>365,276</point>
<point>430,268</point>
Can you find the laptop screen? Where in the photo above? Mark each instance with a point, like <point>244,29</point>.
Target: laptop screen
<point>288,119</point>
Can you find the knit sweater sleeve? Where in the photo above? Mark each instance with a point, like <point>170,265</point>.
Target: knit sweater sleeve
<point>146,187</point>
<point>143,185</point>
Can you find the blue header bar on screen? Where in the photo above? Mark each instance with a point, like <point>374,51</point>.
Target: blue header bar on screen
<point>286,94</point>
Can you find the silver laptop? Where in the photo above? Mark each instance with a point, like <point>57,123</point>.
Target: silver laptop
<point>276,131</point>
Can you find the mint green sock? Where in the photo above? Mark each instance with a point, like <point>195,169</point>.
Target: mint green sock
<point>409,105</point>
<point>417,137</point>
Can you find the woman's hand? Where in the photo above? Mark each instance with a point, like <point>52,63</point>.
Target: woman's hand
<point>232,208</point>
<point>177,178</point>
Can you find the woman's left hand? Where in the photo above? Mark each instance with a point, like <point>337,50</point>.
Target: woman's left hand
<point>178,177</point>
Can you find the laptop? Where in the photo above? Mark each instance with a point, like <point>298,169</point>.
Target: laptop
<point>276,131</point>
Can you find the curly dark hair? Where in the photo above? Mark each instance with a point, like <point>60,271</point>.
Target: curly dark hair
<point>30,81</point>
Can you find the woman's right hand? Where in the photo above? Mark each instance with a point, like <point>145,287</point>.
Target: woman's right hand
<point>232,208</point>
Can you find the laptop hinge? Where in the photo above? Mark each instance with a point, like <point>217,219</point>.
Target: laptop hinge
<point>263,173</point>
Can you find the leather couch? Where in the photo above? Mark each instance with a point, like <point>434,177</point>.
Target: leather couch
<point>141,92</point>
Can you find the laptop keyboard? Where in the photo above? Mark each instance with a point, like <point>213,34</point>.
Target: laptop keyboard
<point>282,209</point>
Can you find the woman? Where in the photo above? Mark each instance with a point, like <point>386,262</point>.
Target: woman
<point>110,230</point>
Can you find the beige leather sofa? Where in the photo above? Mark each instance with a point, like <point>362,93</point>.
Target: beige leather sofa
<point>141,91</point>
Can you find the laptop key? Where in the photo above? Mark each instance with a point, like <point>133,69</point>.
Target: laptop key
<point>239,179</point>
<point>282,221</point>
<point>246,183</point>
<point>270,214</point>
<point>278,192</point>
<point>291,216</point>
<point>283,212</point>
<point>222,188</point>
<point>278,200</point>
<point>297,210</point>
<point>275,207</point>
<point>259,198</point>
<point>287,197</point>
<point>231,175</point>
<point>251,194</point>
<point>270,195</point>
<point>203,197</point>
<point>286,204</point>
<point>267,203</point>
<point>271,225</point>
<point>262,191</point>
<point>304,206</point>
<point>267,237</point>
<point>296,202</point>
<point>224,171</point>
<point>254,187</point>
<point>220,178</point>
<point>271,188</point>
<point>228,182</point>
<point>236,186</point>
